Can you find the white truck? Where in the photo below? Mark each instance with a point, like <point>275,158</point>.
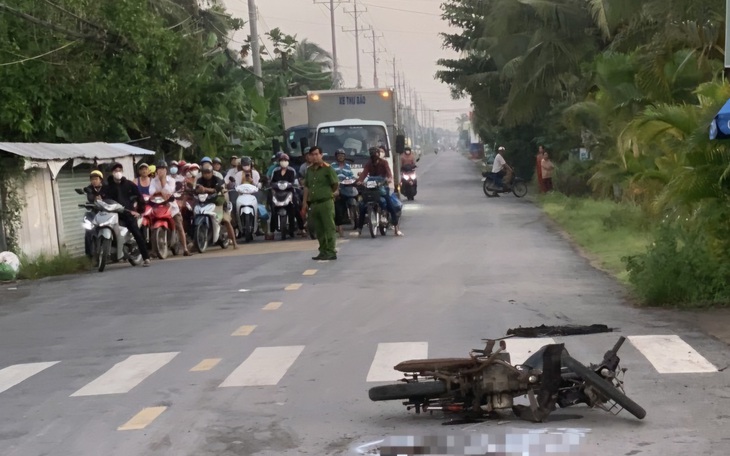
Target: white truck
<point>355,120</point>
<point>295,118</point>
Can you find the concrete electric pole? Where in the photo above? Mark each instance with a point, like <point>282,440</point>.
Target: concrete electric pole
<point>333,4</point>
<point>255,49</point>
<point>356,14</point>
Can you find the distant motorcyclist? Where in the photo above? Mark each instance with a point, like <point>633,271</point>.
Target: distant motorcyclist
<point>377,167</point>
<point>210,183</point>
<point>500,167</point>
<point>126,193</point>
<point>408,158</point>
<point>93,192</point>
<point>164,186</point>
<point>284,172</point>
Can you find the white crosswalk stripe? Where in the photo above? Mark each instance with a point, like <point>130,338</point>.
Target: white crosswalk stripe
<point>669,354</point>
<point>389,354</point>
<point>266,366</point>
<point>127,374</point>
<point>12,375</point>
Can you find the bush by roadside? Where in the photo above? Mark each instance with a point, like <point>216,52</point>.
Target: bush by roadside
<point>664,264</point>
<point>48,266</point>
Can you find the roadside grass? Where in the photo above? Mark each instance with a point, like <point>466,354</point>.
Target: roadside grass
<point>605,230</point>
<point>48,266</point>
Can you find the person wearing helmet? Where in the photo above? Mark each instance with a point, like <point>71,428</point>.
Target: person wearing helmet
<point>127,193</point>
<point>93,191</point>
<point>164,186</point>
<point>152,171</point>
<point>408,158</point>
<point>210,183</point>
<point>246,173</point>
<point>344,171</point>
<point>284,172</point>
<point>500,167</point>
<point>274,164</point>
<point>143,181</point>
<point>377,167</point>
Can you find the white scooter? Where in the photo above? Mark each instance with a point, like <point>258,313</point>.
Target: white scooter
<point>247,214</point>
<point>110,241</point>
<point>207,224</point>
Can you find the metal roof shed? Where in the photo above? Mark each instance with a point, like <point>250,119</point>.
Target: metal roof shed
<point>51,219</point>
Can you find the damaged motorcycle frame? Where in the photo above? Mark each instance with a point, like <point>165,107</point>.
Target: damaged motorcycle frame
<point>487,382</point>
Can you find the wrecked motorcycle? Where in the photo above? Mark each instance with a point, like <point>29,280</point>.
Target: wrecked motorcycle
<point>487,382</point>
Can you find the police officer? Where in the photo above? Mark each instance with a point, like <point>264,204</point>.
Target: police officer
<point>321,185</point>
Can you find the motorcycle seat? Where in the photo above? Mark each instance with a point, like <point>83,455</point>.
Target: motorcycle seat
<point>434,364</point>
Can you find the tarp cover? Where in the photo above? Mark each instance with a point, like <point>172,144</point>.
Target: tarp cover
<point>91,151</point>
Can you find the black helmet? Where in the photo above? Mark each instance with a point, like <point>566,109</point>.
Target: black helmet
<point>339,152</point>
<point>246,161</point>
<point>161,164</point>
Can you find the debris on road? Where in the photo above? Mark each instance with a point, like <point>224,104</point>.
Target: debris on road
<point>568,330</point>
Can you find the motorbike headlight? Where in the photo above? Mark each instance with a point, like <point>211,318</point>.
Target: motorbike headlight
<point>87,225</point>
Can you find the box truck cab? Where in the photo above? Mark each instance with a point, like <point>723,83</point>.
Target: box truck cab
<point>356,137</point>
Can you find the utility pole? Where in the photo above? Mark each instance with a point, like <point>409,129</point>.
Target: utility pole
<point>255,50</point>
<point>332,7</point>
<point>356,14</point>
<point>375,56</point>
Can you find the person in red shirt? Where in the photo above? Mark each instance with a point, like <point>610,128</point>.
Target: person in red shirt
<point>378,167</point>
<point>540,182</point>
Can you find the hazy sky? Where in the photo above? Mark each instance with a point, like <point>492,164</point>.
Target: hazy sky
<point>409,30</point>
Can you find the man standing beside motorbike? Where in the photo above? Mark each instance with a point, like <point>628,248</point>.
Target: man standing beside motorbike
<point>125,192</point>
<point>377,167</point>
<point>343,171</point>
<point>321,186</point>
<point>164,185</point>
<point>211,183</point>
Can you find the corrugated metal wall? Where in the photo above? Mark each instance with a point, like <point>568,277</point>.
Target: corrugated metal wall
<point>72,215</point>
<point>37,234</point>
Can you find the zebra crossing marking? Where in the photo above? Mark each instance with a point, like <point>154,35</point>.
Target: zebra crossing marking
<point>15,374</point>
<point>127,374</point>
<point>266,366</point>
<point>389,354</point>
<point>669,354</point>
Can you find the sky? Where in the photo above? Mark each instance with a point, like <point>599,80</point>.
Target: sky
<point>407,30</point>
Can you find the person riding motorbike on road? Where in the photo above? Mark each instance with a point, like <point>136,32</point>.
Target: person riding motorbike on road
<point>343,170</point>
<point>93,192</point>
<point>164,185</point>
<point>407,158</point>
<point>210,183</point>
<point>126,192</point>
<point>499,168</point>
<point>286,173</point>
<point>378,167</point>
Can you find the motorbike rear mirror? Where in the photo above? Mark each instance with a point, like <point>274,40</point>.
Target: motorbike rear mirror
<point>400,144</point>
<point>304,142</point>
<point>79,191</point>
<point>276,145</point>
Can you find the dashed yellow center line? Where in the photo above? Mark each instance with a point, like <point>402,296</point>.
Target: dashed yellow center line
<point>244,330</point>
<point>272,306</point>
<point>292,287</point>
<point>206,365</point>
<point>309,272</point>
<point>142,419</point>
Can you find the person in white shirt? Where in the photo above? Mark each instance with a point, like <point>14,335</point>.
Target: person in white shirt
<point>247,173</point>
<point>234,169</point>
<point>164,185</point>
<point>499,167</point>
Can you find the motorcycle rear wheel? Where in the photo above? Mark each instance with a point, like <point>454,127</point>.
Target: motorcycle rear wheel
<point>603,386</point>
<point>400,391</point>
<point>487,189</point>
<point>372,221</point>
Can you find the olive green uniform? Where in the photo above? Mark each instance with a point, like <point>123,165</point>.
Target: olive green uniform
<point>320,182</point>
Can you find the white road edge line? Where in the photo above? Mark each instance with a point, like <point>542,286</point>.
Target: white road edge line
<point>126,374</point>
<point>389,354</point>
<point>12,375</point>
<point>264,367</point>
<point>669,354</point>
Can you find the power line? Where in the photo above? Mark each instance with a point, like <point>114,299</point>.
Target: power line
<point>403,10</point>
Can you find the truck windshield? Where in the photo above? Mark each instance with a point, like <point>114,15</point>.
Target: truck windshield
<point>354,139</point>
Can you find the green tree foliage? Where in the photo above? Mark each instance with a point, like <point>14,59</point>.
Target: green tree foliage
<point>635,83</point>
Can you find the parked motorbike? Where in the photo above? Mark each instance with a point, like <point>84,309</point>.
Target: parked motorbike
<point>164,237</point>
<point>348,191</point>
<point>247,217</point>
<point>487,382</point>
<point>207,224</point>
<point>110,241</point>
<point>408,182</point>
<point>283,199</point>
<point>146,221</point>
<point>373,196</point>
<point>514,185</point>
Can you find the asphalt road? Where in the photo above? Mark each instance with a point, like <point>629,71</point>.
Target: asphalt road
<point>264,351</point>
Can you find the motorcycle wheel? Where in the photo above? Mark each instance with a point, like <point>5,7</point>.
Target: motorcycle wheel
<point>201,238</point>
<point>383,225</point>
<point>519,189</point>
<point>401,391</point>
<point>175,244</point>
<point>283,226</point>
<point>354,214</point>
<point>603,387</point>
<point>372,221</point>
<point>248,227</point>
<point>104,250</point>
<point>488,190</point>
<point>159,243</point>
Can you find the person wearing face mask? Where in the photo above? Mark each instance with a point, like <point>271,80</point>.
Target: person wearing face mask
<point>407,158</point>
<point>247,173</point>
<point>234,169</point>
<point>286,173</point>
<point>126,193</point>
<point>378,167</point>
<point>164,186</point>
